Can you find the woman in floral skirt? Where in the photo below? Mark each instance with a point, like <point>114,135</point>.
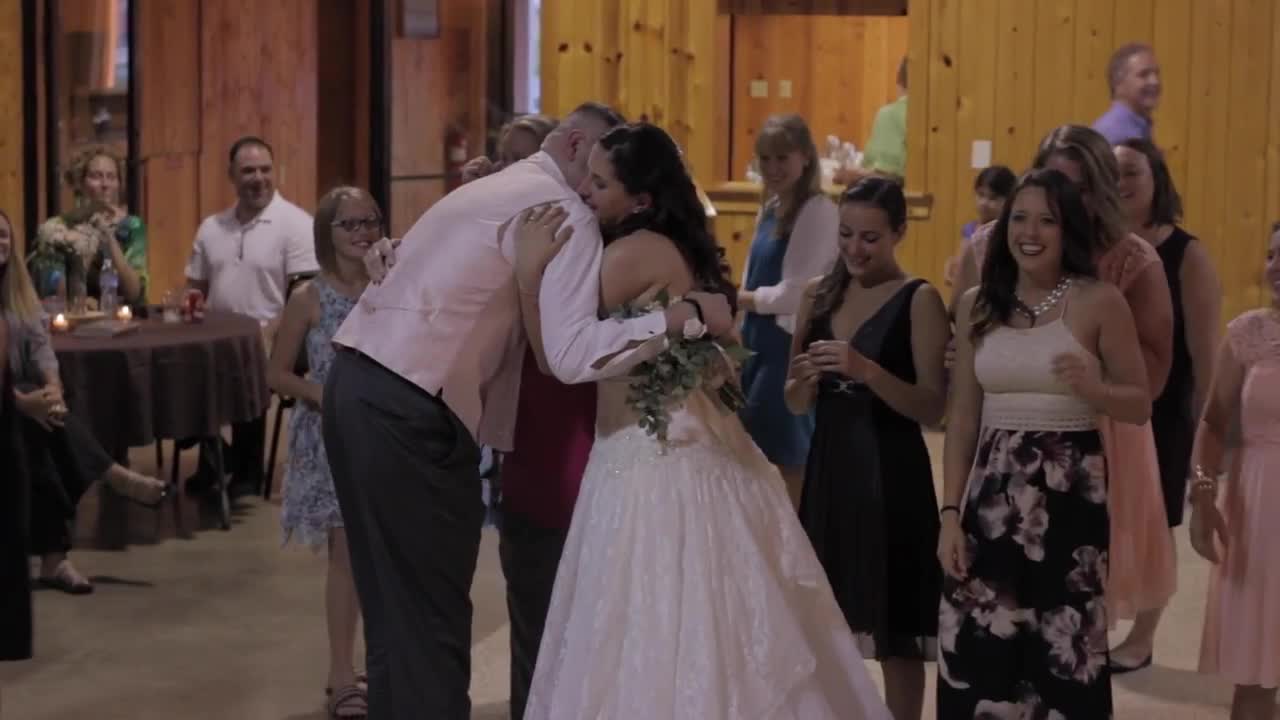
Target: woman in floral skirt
<point>1043,349</point>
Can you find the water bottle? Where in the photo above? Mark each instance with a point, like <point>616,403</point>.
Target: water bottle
<point>109,287</point>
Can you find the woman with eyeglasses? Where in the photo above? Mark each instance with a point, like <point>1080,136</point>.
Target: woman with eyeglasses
<point>347,223</point>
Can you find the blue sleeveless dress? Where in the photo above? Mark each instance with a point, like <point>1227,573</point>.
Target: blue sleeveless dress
<point>783,437</point>
<point>310,507</point>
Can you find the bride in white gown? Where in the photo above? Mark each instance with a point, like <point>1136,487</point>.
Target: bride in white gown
<point>687,587</point>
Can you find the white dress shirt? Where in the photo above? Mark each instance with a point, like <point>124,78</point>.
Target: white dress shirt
<point>812,248</point>
<point>447,316</point>
<point>247,265</point>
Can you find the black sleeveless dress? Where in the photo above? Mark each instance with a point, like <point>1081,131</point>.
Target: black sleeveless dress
<point>868,504</point>
<point>1173,420</point>
<point>15,577</point>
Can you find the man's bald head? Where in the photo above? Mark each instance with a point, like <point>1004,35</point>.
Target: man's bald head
<point>570,143</point>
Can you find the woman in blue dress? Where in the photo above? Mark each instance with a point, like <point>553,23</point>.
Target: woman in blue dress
<point>792,245</point>
<point>347,223</point>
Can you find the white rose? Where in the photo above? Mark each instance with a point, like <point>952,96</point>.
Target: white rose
<point>694,329</point>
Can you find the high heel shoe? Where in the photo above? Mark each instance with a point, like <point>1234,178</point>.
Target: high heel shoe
<point>138,487</point>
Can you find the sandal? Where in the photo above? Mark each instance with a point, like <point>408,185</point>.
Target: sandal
<point>139,488</point>
<point>349,702</point>
<point>362,682</point>
<point>63,580</point>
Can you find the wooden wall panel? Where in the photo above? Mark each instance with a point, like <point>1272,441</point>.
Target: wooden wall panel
<point>661,61</point>
<point>336,82</point>
<point>170,200</point>
<point>436,83</point>
<point>419,90</point>
<point>1219,119</point>
<point>1246,205</point>
<point>409,199</point>
<point>258,70</point>
<point>1173,30</point>
<point>1094,42</point>
<point>1054,50</point>
<point>814,7</point>
<point>944,155</point>
<point>838,84</point>
<point>167,80</point>
<point>12,192</point>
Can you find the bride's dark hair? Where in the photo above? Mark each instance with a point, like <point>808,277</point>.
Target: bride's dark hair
<point>646,160</point>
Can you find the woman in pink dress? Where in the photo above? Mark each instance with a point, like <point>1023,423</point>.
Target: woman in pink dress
<point>1241,640</point>
<point>1143,572</point>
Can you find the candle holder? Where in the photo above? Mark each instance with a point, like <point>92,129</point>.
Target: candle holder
<point>60,323</point>
<point>124,314</point>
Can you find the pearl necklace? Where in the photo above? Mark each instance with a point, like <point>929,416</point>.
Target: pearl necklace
<point>1048,303</point>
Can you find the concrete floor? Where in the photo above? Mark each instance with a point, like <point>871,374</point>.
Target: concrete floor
<point>229,625</point>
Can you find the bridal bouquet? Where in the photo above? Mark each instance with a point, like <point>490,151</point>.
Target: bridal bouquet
<point>694,361</point>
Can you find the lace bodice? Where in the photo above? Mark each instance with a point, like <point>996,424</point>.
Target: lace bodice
<point>1015,369</point>
<point>1255,342</point>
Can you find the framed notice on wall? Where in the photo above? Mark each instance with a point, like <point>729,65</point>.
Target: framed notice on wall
<point>420,18</point>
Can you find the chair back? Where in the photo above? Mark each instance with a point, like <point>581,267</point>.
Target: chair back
<point>300,364</point>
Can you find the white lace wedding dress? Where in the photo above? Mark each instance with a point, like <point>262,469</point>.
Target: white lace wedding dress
<point>688,589</point>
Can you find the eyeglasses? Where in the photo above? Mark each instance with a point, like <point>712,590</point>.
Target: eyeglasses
<point>356,224</point>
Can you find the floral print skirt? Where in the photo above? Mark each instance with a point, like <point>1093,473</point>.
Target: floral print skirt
<point>1024,635</point>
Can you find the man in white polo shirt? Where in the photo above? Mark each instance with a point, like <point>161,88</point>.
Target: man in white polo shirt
<point>243,261</point>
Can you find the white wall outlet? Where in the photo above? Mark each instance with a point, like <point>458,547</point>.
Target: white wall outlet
<point>784,88</point>
<point>759,88</point>
<point>980,157</point>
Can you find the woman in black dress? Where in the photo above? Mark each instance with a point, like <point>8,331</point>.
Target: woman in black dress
<point>868,351</point>
<point>1153,207</point>
<point>15,576</point>
<point>62,455</point>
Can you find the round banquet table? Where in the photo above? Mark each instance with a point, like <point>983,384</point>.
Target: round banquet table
<point>166,380</point>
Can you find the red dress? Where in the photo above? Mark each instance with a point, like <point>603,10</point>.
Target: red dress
<point>555,427</point>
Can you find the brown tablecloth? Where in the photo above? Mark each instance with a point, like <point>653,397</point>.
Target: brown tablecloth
<point>166,380</point>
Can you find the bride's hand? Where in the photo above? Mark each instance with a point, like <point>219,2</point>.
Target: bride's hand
<point>539,235</point>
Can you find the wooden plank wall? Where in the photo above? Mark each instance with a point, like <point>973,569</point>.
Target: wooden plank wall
<point>167,81</point>
<point>209,72</point>
<point>841,70</point>
<point>1011,70</point>
<point>435,82</point>
<point>656,60</point>
<point>258,70</point>
<point>11,123</point>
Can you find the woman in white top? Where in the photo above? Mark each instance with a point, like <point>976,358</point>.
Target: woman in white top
<point>792,245</point>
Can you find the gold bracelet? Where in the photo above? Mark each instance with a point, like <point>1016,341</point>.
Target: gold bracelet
<point>1204,484</point>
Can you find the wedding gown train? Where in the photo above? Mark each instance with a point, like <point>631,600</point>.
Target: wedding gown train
<point>688,589</point>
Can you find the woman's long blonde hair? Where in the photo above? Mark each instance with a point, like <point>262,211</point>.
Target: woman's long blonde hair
<point>785,134</point>
<point>17,294</point>
<point>1093,154</point>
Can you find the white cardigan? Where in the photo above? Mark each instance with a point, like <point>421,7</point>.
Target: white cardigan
<point>811,250</point>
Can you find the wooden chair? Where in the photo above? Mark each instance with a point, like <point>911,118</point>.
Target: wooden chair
<point>300,368</point>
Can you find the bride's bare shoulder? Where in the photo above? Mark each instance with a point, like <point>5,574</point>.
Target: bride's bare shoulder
<point>637,262</point>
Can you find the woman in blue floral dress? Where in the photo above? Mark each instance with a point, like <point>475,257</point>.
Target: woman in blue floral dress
<point>347,223</point>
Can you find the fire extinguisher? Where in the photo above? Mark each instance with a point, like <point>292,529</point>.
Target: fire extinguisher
<point>455,155</point>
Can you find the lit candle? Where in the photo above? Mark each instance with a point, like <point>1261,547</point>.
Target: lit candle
<point>60,322</point>
<point>124,313</point>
